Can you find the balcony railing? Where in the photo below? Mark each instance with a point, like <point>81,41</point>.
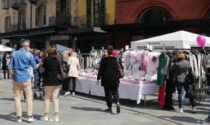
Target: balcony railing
<point>14,27</point>
<point>21,25</point>
<point>88,21</point>
<point>60,21</point>
<point>16,4</point>
<point>35,2</point>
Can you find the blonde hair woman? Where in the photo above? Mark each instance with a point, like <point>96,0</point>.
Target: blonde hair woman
<point>73,73</point>
<point>180,70</point>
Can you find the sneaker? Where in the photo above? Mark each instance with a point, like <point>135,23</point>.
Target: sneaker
<point>181,110</point>
<point>108,110</point>
<point>73,93</point>
<point>45,118</point>
<point>56,119</point>
<point>193,110</point>
<point>66,93</point>
<point>30,119</point>
<point>118,109</point>
<point>19,119</point>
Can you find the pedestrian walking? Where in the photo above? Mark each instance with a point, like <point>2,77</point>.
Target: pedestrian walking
<point>51,84</point>
<point>20,63</point>
<point>180,69</point>
<point>109,76</point>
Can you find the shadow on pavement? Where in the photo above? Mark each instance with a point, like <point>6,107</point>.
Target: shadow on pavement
<point>11,117</point>
<point>10,99</point>
<point>182,119</point>
<point>88,109</point>
<point>7,99</point>
<point>197,112</point>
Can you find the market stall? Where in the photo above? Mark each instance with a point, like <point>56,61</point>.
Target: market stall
<point>128,89</point>
<point>179,39</point>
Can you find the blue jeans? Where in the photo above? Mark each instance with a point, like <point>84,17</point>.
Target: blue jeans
<point>36,78</point>
<point>180,86</point>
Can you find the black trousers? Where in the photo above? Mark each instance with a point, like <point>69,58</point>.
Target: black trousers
<point>71,81</point>
<point>168,97</point>
<point>108,96</point>
<point>6,73</point>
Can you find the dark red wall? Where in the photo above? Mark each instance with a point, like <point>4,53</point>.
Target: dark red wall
<point>128,11</point>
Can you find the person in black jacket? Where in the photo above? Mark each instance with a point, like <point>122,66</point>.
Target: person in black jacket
<point>51,83</point>
<point>5,62</point>
<point>108,74</point>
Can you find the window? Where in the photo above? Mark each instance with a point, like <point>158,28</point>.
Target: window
<point>7,24</point>
<point>89,13</point>
<point>99,12</point>
<point>154,14</point>
<point>5,4</point>
<point>41,15</point>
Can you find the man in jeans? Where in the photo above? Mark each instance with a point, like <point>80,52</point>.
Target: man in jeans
<point>20,62</point>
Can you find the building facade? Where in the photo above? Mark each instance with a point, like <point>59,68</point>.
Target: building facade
<point>145,13</point>
<point>73,23</point>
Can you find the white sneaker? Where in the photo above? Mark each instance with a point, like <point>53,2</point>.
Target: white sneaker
<point>66,93</point>
<point>181,110</point>
<point>45,118</point>
<point>30,119</point>
<point>73,93</point>
<point>19,119</point>
<point>193,110</point>
<point>56,119</point>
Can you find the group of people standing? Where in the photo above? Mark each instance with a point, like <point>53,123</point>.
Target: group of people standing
<point>50,65</point>
<point>21,62</point>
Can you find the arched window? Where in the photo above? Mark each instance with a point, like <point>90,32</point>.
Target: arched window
<point>154,14</point>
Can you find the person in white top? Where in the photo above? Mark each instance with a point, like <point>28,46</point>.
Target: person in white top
<point>73,73</point>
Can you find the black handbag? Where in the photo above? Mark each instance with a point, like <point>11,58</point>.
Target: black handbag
<point>121,73</point>
<point>190,78</point>
<point>60,76</point>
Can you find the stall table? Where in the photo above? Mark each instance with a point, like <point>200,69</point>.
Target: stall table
<point>128,89</point>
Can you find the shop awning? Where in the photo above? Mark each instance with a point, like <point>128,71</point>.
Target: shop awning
<point>31,32</point>
<point>82,31</point>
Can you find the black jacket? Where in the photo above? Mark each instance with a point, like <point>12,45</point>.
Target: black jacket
<point>108,73</point>
<point>52,68</point>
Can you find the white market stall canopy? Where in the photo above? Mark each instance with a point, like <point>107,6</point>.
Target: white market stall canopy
<point>179,39</point>
<point>5,49</point>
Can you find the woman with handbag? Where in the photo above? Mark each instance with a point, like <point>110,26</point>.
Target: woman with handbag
<point>109,76</point>
<point>180,70</point>
<point>51,84</point>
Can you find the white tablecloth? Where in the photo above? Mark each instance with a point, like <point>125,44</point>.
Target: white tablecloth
<point>127,89</point>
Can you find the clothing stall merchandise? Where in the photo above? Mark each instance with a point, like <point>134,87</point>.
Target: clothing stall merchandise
<point>165,75</point>
<point>140,65</point>
<point>90,62</point>
<point>140,68</point>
